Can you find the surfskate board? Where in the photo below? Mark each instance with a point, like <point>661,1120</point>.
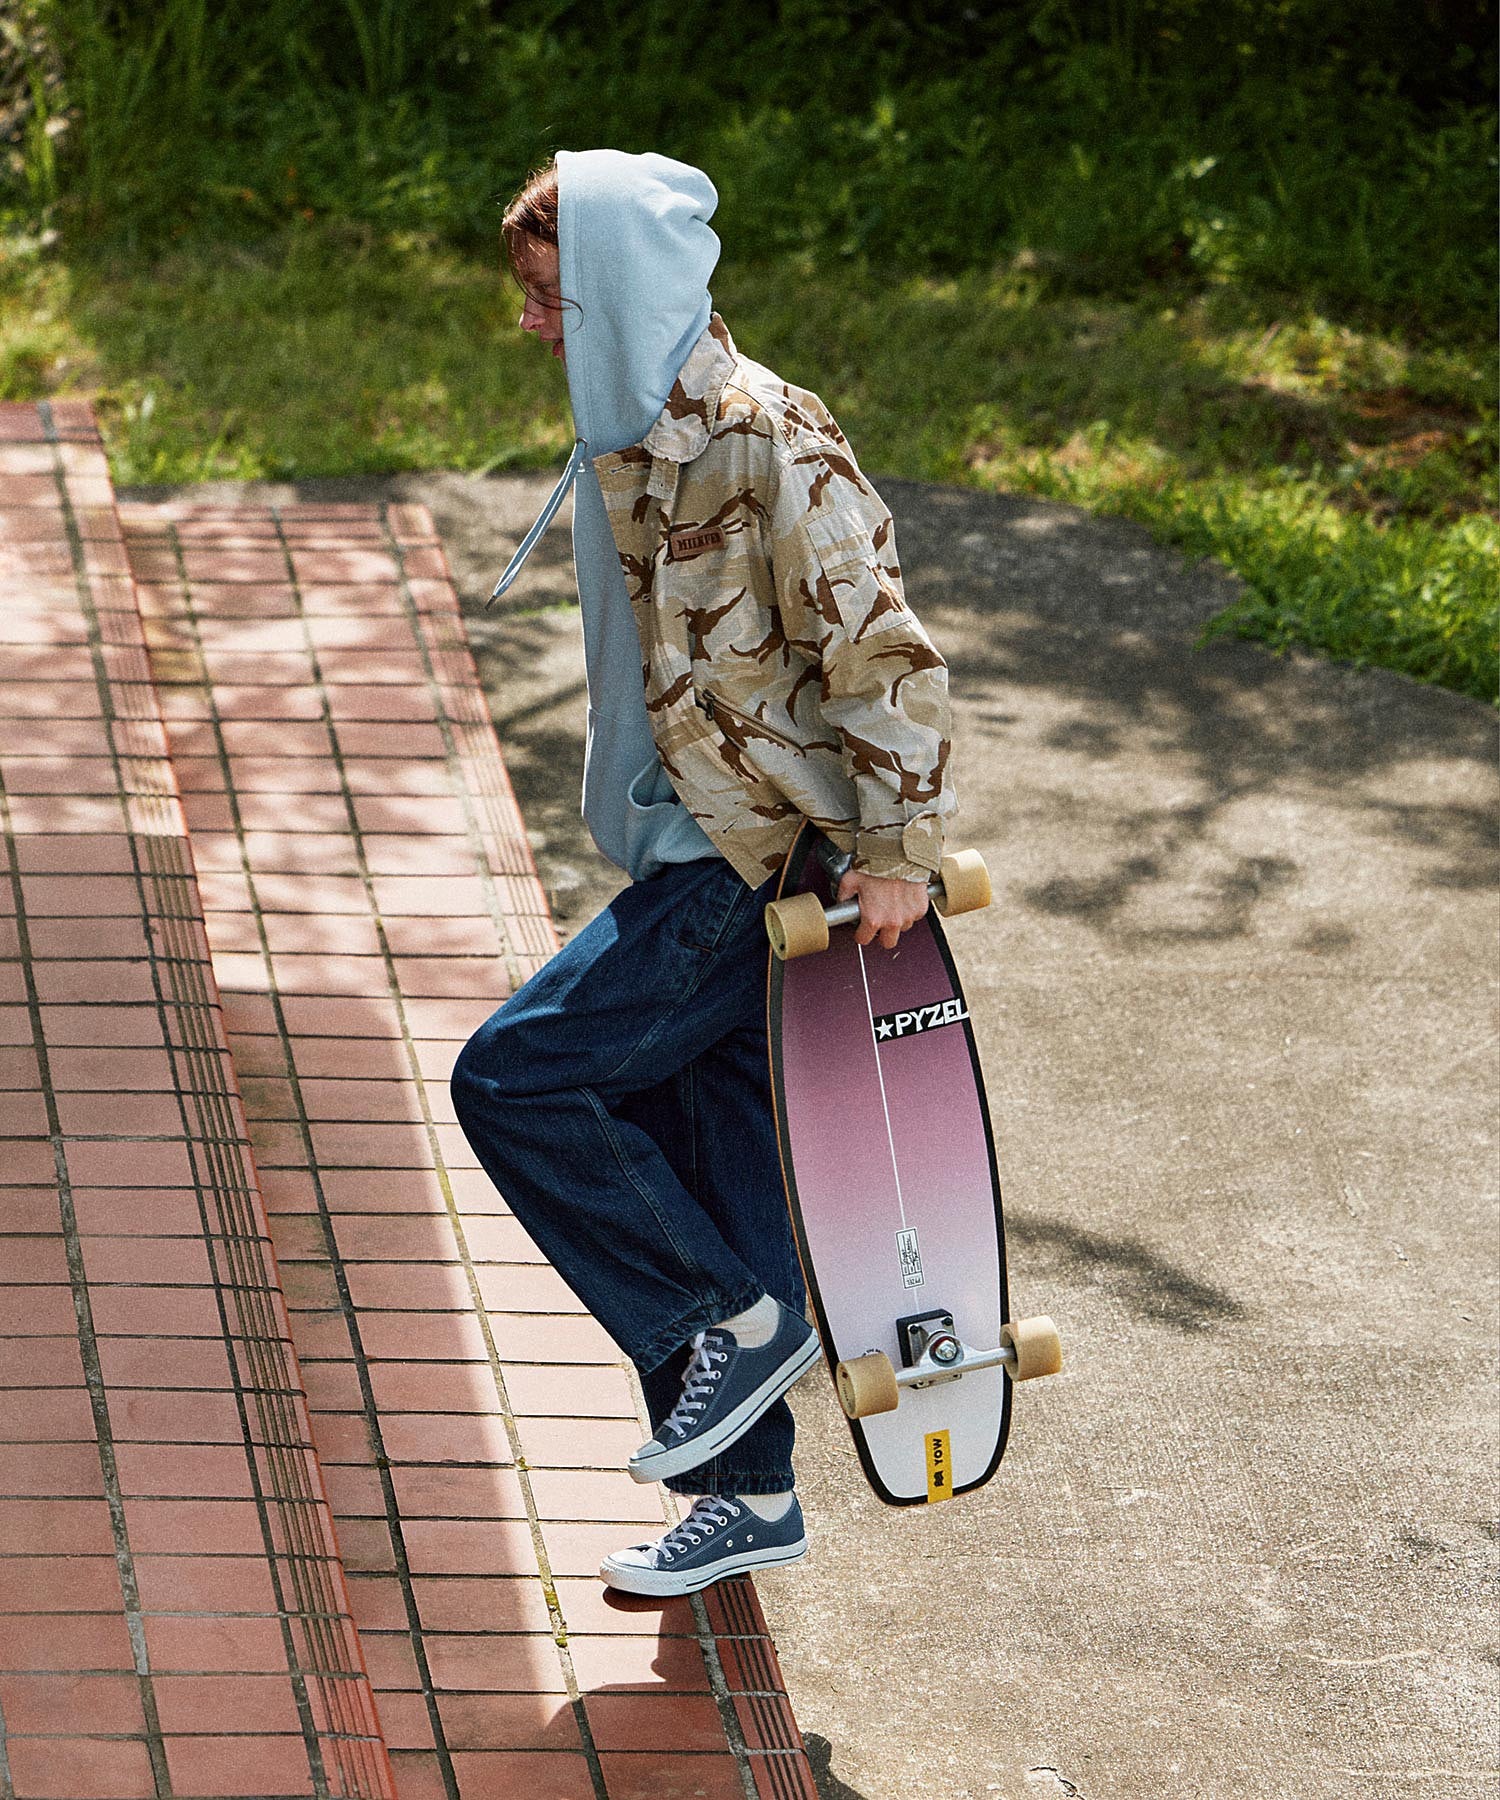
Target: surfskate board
<point>891,1180</point>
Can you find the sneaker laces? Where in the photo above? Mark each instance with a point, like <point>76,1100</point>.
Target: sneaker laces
<point>709,1512</point>
<point>709,1349</point>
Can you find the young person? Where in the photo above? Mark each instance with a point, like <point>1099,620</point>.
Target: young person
<point>751,662</point>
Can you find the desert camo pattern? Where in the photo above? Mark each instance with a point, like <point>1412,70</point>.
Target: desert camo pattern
<point>785,675</point>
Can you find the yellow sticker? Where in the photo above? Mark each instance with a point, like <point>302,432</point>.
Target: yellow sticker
<point>939,1459</point>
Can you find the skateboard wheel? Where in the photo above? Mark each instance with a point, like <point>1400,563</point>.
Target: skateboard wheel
<point>1037,1346</point>
<point>966,883</point>
<point>796,927</point>
<point>867,1385</point>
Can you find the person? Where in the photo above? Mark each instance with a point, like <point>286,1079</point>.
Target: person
<point>751,662</point>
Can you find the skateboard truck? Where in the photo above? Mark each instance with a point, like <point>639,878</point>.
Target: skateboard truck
<point>932,1351</point>
<point>799,926</point>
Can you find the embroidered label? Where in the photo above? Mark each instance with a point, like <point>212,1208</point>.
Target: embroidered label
<point>693,540</point>
<point>920,1018</point>
<point>909,1255</point>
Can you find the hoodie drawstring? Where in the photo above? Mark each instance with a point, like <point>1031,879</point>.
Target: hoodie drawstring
<point>544,518</point>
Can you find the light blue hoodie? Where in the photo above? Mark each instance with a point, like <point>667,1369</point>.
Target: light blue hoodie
<point>635,252</point>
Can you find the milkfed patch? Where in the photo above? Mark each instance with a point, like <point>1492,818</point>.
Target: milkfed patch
<point>692,540</point>
<point>920,1018</point>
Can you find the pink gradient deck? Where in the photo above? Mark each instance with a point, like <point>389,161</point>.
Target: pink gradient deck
<point>887,1136</point>
<point>256,1264</point>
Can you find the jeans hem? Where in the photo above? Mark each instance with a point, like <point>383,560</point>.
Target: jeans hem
<point>748,1483</point>
<point>702,1316</point>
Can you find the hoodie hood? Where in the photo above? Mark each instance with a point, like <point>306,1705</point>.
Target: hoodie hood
<point>634,253</point>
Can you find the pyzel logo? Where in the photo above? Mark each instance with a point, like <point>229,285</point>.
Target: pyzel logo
<point>910,1257</point>
<point>920,1018</point>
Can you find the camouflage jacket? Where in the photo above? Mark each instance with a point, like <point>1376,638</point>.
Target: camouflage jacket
<point>785,675</point>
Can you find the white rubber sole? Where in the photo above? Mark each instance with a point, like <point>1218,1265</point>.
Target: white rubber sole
<point>661,1584</point>
<point>700,1449</point>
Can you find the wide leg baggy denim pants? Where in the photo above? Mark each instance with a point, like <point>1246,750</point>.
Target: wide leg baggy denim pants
<point>620,1101</point>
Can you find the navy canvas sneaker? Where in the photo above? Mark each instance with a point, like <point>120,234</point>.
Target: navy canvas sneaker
<point>719,1537</point>
<point>724,1391</point>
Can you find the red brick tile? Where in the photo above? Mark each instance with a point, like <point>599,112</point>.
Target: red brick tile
<point>377,1603</point>
<point>408,1191</point>
<point>423,1336</point>
<point>580,1443</point>
<point>146,1362</point>
<point>101,1027</point>
<point>220,1527</point>
<point>517,1663</point>
<point>365,1546</point>
<point>55,1527</point>
<point>33,1259</point>
<point>379,1237</point>
<point>36,1311</point>
<point>63,1768</point>
<point>468,1546</point>
<point>419,1776</point>
<point>60,1469</point>
<point>456,1387</point>
<point>156,1312</point>
<point>137,1415</point>
<point>332,1386</point>
<point>462,1493</point>
<point>628,1660</point>
<point>175,1261</point>
<point>766,1722</point>
<point>237,1702</point>
<point>596,1495</point>
<point>127,1164</point>
<point>406,1723</point>
<point>29,1212</point>
<point>205,1584</point>
<point>229,1765</point>
<point>454,1437</point>
<point>59,1583</point>
<point>524,1287</point>
<point>594,1391</point>
<point>550,1337</point>
<point>70,1705</point>
<point>146,1212</point>
<point>508,1722</point>
<point>654,1721</point>
<point>211,1644</point>
<point>389,1658</point>
<point>750,1665</point>
<point>557,1774</point>
<point>482,1603</point>
<point>189,1470</point>
<point>64,1641</point>
<point>659,1775</point>
<point>579,1549</point>
<point>45,1415</point>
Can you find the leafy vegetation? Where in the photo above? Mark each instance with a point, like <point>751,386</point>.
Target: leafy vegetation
<point>1224,265</point>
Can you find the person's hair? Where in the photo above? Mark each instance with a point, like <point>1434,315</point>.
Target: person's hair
<point>531,215</point>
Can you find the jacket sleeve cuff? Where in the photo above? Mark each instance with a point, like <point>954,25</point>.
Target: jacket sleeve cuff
<point>912,851</point>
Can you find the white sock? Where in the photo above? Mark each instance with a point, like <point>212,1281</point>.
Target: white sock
<point>770,1507</point>
<point>756,1326</point>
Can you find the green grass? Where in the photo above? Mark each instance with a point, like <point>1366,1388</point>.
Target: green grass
<point>1347,474</point>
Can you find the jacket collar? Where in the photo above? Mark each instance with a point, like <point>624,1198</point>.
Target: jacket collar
<point>686,421</point>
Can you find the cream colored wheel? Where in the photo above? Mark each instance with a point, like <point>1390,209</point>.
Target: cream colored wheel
<point>966,883</point>
<point>1037,1346</point>
<point>867,1385</point>
<point>797,927</point>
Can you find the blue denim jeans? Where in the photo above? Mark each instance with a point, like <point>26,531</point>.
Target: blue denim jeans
<point>621,1103</point>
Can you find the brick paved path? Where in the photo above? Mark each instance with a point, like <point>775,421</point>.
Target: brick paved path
<point>307,1458</point>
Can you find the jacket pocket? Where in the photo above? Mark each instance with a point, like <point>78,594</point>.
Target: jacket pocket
<point>713,703</point>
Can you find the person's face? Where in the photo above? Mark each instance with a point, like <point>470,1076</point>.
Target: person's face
<point>543,314</point>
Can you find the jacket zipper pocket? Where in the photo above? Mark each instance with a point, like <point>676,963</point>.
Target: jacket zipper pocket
<point>712,701</point>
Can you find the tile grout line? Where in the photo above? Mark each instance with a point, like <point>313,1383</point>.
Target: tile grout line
<point>189,617</point>
<point>192,1012</point>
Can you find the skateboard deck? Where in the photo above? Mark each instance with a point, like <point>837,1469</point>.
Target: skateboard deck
<point>892,1184</point>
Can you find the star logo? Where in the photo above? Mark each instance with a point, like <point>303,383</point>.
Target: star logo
<point>884,1028</point>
